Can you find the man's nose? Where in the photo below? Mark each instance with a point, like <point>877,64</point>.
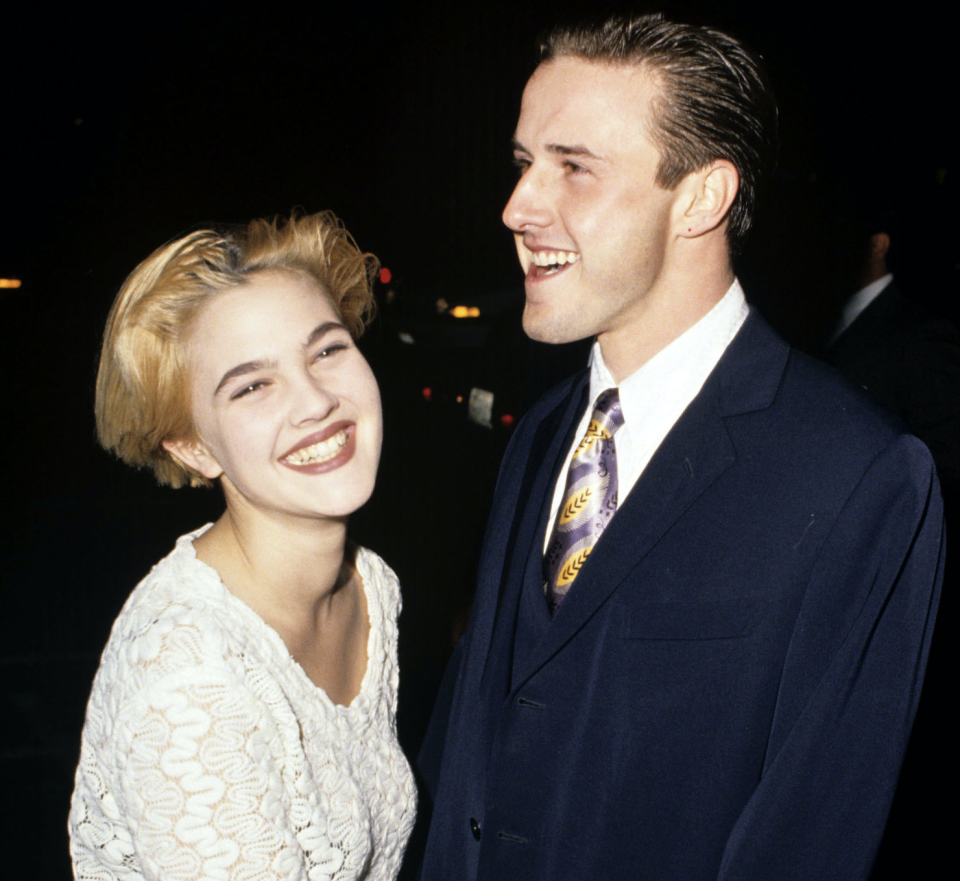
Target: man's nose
<point>528,205</point>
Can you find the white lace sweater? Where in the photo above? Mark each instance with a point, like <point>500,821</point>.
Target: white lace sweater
<point>208,753</point>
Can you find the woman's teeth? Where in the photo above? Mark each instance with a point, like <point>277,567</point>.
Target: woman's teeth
<point>319,452</point>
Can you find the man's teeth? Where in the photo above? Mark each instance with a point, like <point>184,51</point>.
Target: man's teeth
<point>554,258</point>
<point>320,452</point>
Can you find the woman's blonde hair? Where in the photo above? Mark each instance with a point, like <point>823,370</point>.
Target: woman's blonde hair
<point>142,394</point>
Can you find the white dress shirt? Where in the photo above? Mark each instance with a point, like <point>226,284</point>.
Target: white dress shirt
<point>857,303</point>
<point>654,396</point>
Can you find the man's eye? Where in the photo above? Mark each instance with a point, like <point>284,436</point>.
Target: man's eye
<point>573,167</point>
<point>520,164</point>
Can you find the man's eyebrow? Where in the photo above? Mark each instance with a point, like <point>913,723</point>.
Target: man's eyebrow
<point>572,150</point>
<point>240,370</point>
<point>561,150</point>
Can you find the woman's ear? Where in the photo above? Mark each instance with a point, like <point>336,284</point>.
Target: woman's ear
<point>195,456</point>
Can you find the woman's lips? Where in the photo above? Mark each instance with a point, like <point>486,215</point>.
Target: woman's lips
<point>323,451</point>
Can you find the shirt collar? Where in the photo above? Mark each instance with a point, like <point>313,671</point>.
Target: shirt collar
<point>680,368</point>
<point>859,301</point>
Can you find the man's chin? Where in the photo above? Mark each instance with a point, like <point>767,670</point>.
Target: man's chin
<point>550,329</point>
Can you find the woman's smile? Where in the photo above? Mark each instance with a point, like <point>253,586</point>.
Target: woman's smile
<point>281,393</point>
<point>329,449</point>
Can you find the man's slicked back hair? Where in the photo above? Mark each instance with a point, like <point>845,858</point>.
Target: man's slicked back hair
<point>714,99</point>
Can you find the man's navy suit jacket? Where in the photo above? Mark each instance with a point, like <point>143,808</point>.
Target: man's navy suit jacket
<point>728,688</point>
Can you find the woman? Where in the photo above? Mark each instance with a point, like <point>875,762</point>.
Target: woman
<point>241,724</point>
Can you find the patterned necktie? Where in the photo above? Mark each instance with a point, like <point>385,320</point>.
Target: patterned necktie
<point>589,499</point>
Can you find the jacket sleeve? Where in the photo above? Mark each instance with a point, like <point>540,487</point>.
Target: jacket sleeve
<point>431,752</point>
<point>850,684</point>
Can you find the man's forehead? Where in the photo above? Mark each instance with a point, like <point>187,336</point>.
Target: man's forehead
<point>569,93</point>
<point>573,70</point>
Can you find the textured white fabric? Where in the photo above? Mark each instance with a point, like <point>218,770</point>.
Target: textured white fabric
<point>208,753</point>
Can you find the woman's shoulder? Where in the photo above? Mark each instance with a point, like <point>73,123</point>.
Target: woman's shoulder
<point>178,620</point>
<point>382,589</point>
<point>177,589</point>
<point>378,579</point>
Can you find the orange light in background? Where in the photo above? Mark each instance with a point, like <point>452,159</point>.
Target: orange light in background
<point>385,275</point>
<point>459,399</point>
<point>506,420</point>
<point>427,393</point>
<point>10,282</point>
<point>465,312</point>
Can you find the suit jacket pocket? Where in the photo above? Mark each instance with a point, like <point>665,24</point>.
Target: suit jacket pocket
<point>720,619</point>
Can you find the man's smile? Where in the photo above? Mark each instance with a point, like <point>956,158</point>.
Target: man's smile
<point>543,262</point>
<point>551,261</point>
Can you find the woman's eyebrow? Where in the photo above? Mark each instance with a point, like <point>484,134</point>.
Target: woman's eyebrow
<point>322,330</point>
<point>240,370</point>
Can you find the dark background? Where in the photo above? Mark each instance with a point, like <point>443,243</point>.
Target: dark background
<point>118,134</point>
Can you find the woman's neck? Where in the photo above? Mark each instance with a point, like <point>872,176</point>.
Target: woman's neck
<point>297,575</point>
<point>288,572</point>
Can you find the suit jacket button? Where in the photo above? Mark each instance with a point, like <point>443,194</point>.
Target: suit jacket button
<point>475,828</point>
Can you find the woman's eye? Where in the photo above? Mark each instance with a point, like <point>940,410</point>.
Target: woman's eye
<point>332,349</point>
<point>247,389</point>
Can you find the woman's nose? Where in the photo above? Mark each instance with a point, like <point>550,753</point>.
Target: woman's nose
<point>313,401</point>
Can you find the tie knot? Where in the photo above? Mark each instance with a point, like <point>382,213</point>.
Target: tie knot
<point>607,411</point>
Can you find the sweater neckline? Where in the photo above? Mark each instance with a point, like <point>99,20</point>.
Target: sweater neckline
<point>364,698</point>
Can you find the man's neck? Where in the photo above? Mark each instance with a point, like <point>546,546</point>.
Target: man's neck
<point>665,318</point>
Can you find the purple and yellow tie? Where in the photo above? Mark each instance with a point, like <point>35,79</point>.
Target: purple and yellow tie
<point>589,499</point>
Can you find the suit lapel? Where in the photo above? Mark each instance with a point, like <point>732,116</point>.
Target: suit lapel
<point>516,526</point>
<point>692,456</point>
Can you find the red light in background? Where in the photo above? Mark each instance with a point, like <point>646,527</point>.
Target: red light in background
<point>506,420</point>
<point>385,275</point>
<point>427,393</point>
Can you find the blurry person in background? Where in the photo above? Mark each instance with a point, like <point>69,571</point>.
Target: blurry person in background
<point>903,354</point>
<point>907,356</point>
<point>711,570</point>
<point>242,721</point>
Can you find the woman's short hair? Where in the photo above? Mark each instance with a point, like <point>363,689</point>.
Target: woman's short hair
<point>142,394</point>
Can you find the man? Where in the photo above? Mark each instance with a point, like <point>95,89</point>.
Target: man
<point>905,356</point>
<point>908,359</point>
<point>711,568</point>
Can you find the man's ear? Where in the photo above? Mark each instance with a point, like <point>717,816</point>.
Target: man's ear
<point>195,456</point>
<point>706,198</point>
